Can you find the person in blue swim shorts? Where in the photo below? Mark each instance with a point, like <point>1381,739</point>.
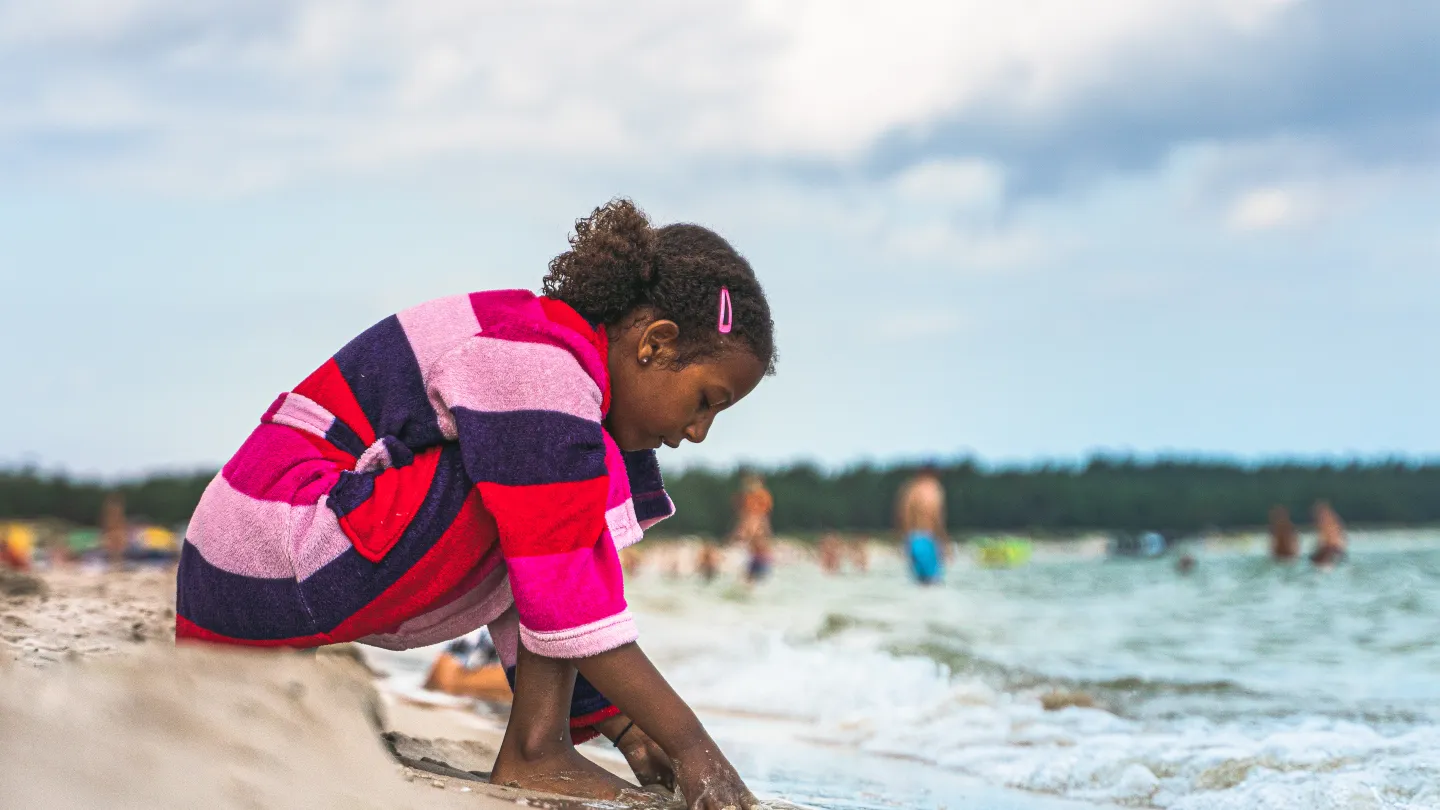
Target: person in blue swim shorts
<point>920,519</point>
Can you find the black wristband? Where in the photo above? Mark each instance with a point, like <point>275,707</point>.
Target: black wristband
<point>616,742</point>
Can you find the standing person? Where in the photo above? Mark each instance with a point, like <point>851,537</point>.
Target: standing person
<point>478,461</point>
<point>707,562</point>
<point>114,529</point>
<point>1332,545</point>
<point>1284,538</point>
<point>753,505</point>
<point>920,520</point>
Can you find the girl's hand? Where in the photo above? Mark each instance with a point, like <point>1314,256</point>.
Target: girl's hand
<point>709,782</point>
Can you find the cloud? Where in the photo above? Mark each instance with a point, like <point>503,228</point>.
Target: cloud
<point>205,95</point>
<point>1264,209</point>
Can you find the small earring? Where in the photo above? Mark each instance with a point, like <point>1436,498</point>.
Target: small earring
<point>644,361</point>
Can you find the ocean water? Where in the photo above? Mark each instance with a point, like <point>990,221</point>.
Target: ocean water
<point>1245,685</point>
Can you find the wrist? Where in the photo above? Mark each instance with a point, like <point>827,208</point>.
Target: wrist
<point>611,726</point>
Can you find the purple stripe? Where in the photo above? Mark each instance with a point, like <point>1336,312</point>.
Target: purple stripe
<point>271,609</point>
<point>239,606</point>
<point>647,488</point>
<point>344,438</point>
<point>522,448</point>
<point>381,370</point>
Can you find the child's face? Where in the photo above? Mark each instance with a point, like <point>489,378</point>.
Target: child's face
<point>652,404</point>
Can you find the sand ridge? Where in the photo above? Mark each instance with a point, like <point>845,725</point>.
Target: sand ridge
<point>98,708</point>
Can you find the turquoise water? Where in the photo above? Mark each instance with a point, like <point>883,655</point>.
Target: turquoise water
<point>1242,685</point>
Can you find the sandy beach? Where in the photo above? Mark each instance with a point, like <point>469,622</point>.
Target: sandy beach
<point>98,708</point>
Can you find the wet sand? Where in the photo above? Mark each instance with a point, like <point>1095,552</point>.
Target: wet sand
<point>98,708</point>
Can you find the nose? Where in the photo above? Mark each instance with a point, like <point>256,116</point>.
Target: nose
<point>697,432</point>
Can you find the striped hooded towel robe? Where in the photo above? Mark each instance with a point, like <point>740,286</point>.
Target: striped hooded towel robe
<point>445,470</point>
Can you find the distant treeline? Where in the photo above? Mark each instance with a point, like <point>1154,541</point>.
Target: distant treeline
<point>164,499</point>
<point>1178,496</point>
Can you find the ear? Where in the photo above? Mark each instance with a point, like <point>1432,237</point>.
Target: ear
<point>657,342</point>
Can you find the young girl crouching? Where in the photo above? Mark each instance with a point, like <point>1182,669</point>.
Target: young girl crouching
<point>480,460</point>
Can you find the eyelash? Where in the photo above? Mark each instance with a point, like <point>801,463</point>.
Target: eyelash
<point>704,403</point>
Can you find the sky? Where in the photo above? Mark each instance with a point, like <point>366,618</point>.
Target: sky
<point>1018,230</point>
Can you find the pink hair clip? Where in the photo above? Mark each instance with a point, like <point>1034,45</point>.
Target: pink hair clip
<point>727,313</point>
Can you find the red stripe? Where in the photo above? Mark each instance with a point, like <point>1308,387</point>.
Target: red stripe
<point>449,561</point>
<point>328,388</point>
<point>375,526</point>
<point>544,519</point>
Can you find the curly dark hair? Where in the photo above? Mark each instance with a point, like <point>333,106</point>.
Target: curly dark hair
<point>617,263</point>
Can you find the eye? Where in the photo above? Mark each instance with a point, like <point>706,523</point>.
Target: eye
<point>704,402</point>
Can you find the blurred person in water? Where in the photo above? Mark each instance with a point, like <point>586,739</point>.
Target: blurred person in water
<point>1284,538</point>
<point>753,505</point>
<point>830,550</point>
<point>860,555</point>
<point>707,561</point>
<point>480,460</point>
<point>920,522</point>
<point>1331,545</point>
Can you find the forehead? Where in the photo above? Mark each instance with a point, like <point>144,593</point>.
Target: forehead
<point>738,371</point>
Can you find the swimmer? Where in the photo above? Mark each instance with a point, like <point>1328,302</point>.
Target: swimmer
<point>1332,545</point>
<point>479,460</point>
<point>1284,539</point>
<point>920,521</point>
<point>829,551</point>
<point>708,562</point>
<point>860,555</point>
<point>1185,565</point>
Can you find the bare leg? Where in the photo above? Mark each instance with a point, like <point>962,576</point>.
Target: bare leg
<point>536,752</point>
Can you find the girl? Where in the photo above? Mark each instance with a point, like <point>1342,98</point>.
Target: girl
<point>479,460</point>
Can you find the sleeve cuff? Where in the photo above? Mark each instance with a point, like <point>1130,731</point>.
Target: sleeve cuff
<point>583,641</point>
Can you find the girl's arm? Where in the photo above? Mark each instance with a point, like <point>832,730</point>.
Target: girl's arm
<point>627,678</point>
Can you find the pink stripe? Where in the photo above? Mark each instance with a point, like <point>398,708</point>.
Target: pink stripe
<point>500,375</point>
<point>625,528</point>
<point>276,463</point>
<point>582,642</point>
<point>559,591</point>
<point>434,329</point>
<point>505,632</point>
<point>240,534</point>
<point>302,413</point>
<point>315,539</point>
<point>517,315</point>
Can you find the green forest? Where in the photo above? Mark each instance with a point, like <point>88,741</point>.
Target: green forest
<point>1179,496</point>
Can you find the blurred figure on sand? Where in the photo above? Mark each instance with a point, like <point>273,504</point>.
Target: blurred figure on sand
<point>830,550</point>
<point>1331,546</point>
<point>920,520</point>
<point>113,529</point>
<point>753,505</point>
<point>470,667</point>
<point>1284,538</point>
